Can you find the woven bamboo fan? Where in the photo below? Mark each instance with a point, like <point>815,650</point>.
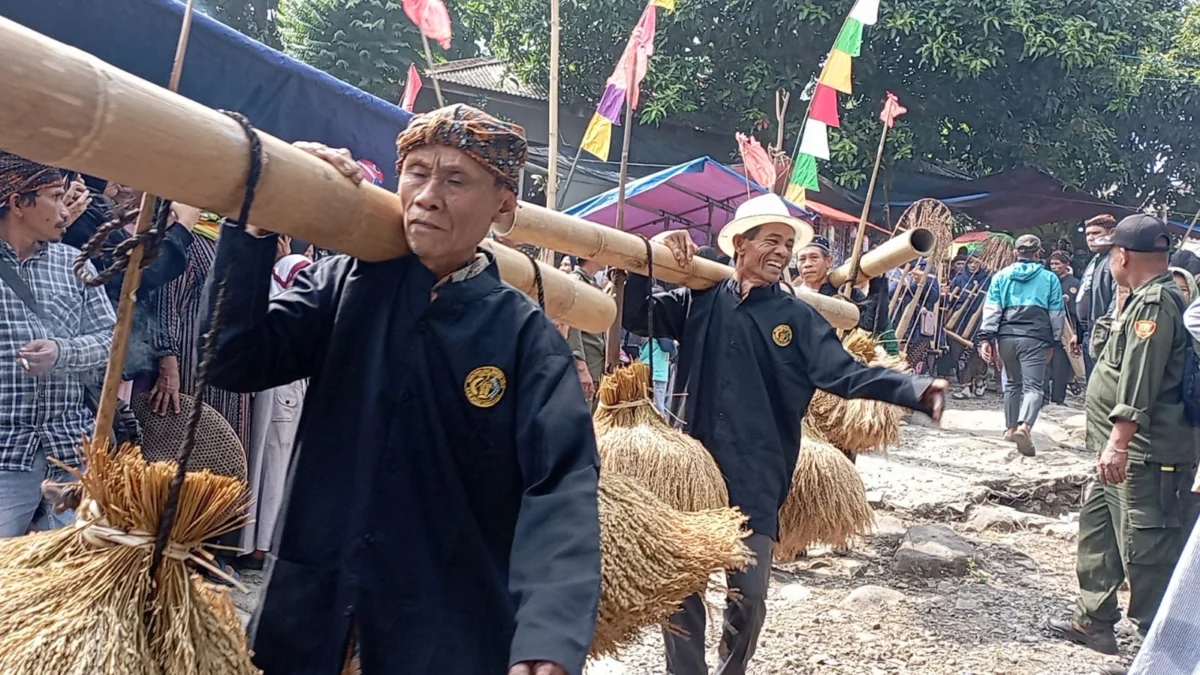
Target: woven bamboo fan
<point>217,446</point>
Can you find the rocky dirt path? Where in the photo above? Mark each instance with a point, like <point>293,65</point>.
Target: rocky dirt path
<point>858,615</point>
<point>1014,519</point>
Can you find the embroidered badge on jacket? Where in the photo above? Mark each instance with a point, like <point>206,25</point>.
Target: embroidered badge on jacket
<point>485,386</point>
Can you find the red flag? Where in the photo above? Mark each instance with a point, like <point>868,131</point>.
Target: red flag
<point>432,18</point>
<point>759,167</point>
<point>412,87</point>
<point>891,110</point>
<point>635,60</point>
<point>823,107</point>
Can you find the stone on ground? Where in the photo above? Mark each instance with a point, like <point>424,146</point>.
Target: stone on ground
<point>1003,519</point>
<point>934,551</point>
<point>871,599</point>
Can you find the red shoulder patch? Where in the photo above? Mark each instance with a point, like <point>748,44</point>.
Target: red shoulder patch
<point>1144,329</point>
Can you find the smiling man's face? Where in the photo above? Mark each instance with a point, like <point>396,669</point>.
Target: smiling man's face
<point>762,258</point>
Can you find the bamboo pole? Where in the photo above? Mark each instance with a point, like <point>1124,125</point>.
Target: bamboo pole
<point>917,301</point>
<point>898,250</point>
<point>552,128</point>
<point>570,176</point>
<point>589,309</point>
<point>856,255</point>
<point>612,355</point>
<point>539,226</point>
<point>114,371</point>
<point>68,109</point>
<point>1191,226</point>
<point>437,88</point>
<point>894,303</point>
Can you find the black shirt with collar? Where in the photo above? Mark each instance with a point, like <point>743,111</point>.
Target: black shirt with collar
<point>747,371</point>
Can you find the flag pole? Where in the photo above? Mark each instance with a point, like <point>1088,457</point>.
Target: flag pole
<point>113,374</point>
<point>552,166</point>
<point>612,355</point>
<point>1191,227</point>
<point>570,173</point>
<point>856,256</point>
<point>437,88</point>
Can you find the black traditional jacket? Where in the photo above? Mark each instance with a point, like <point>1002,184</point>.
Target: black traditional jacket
<point>747,371</point>
<point>442,492</point>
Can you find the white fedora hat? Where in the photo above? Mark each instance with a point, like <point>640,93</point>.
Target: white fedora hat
<point>762,210</point>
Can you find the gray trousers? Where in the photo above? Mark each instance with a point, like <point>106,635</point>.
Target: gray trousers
<point>1024,375</point>
<point>744,617</point>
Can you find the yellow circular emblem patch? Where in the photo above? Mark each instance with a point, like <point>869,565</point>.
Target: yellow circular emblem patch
<point>485,386</point>
<point>782,335</point>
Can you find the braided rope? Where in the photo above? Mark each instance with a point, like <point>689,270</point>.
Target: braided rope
<point>170,510</point>
<point>151,240</point>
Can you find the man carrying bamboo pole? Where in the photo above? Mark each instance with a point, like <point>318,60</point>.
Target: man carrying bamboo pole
<point>442,502</point>
<point>814,263</point>
<point>750,357</point>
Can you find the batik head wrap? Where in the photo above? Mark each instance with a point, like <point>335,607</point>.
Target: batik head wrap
<point>499,147</point>
<point>19,175</point>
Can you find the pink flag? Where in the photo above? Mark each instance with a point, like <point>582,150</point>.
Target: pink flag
<point>759,167</point>
<point>891,110</point>
<point>412,87</point>
<point>432,18</point>
<point>635,60</point>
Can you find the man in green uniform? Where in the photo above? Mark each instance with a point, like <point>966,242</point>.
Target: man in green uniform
<point>1130,525</point>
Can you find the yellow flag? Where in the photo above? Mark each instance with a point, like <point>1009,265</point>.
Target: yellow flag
<point>668,5</point>
<point>598,136</point>
<point>795,194</point>
<point>836,74</point>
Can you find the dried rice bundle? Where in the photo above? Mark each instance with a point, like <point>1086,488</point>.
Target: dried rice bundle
<point>634,440</point>
<point>859,426</point>
<point>654,557</point>
<point>77,600</point>
<point>827,503</point>
<point>999,251</point>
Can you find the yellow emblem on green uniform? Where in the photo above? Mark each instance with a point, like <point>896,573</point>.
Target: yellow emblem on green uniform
<point>782,335</point>
<point>485,386</point>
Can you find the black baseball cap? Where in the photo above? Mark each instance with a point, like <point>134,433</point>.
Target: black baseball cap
<point>1142,232</point>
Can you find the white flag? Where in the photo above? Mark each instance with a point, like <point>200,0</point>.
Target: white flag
<point>865,12</point>
<point>815,140</point>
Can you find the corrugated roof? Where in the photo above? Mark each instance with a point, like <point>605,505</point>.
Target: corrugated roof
<point>488,74</point>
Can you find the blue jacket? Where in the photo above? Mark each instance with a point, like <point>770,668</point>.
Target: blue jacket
<point>1024,300</point>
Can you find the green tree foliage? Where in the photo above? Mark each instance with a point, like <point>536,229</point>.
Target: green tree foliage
<point>255,18</point>
<point>1094,91</point>
<point>367,43</point>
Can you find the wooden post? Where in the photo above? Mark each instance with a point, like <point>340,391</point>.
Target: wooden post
<point>856,256</point>
<point>113,372</point>
<point>437,88</point>
<point>552,164</point>
<point>612,356</point>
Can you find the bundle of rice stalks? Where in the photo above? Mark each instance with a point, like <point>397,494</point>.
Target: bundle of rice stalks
<point>999,251</point>
<point>827,503</point>
<point>654,558</point>
<point>859,426</point>
<point>79,600</point>
<point>635,441</point>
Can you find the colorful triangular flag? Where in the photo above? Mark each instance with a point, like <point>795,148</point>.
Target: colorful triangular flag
<point>412,87</point>
<point>815,140</point>
<point>824,107</point>
<point>891,110</point>
<point>866,12</point>
<point>635,60</point>
<point>597,140</point>
<point>837,71</point>
<point>432,18</point>
<point>804,172</point>
<point>795,194</point>
<point>759,167</point>
<point>668,5</point>
<point>851,37</point>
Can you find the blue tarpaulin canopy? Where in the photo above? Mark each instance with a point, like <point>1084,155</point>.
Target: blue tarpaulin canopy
<point>223,69</point>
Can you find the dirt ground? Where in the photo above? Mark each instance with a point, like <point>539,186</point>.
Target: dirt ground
<point>990,621</point>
